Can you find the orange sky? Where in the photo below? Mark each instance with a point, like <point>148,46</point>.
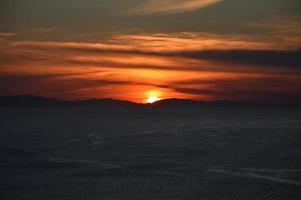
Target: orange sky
<point>257,60</point>
<point>187,65</point>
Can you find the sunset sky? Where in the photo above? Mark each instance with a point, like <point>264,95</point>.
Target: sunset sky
<point>236,50</point>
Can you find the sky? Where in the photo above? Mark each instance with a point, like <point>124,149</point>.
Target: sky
<point>208,50</point>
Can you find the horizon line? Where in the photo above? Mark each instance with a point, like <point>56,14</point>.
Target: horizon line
<point>145,103</point>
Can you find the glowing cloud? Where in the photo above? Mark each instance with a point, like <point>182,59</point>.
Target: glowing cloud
<point>150,67</point>
<point>170,6</point>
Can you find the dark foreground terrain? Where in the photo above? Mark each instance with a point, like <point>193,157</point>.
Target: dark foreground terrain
<point>203,153</point>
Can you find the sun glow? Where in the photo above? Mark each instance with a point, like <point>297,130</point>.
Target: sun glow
<point>153,96</point>
<point>153,99</point>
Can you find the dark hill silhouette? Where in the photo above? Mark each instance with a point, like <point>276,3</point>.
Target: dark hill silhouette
<point>105,102</point>
<point>177,102</point>
<point>38,101</point>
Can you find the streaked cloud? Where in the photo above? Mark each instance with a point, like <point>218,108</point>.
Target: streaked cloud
<point>181,51</point>
<point>257,88</point>
<point>214,53</point>
<point>182,65</point>
<point>7,34</point>
<point>170,6</point>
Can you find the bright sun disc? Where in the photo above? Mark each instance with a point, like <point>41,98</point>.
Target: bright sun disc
<point>153,99</point>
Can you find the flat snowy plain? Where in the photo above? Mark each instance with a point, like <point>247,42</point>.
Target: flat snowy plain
<point>204,153</point>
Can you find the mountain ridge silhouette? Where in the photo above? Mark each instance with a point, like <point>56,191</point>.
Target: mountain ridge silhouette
<point>40,101</point>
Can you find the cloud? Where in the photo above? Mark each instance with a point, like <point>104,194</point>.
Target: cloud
<point>44,84</point>
<point>259,88</point>
<point>259,58</point>
<point>183,65</point>
<point>283,29</point>
<point>7,34</point>
<point>263,96</point>
<point>182,51</point>
<point>170,6</point>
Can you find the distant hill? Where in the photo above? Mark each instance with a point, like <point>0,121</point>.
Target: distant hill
<point>38,101</point>
<point>177,102</point>
<point>192,103</point>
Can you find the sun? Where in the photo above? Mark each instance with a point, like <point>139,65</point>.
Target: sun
<point>152,99</point>
<point>153,96</point>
